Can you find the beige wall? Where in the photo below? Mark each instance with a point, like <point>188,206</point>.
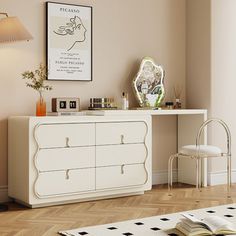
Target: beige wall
<point>124,32</point>
<point>198,46</point>
<point>198,56</point>
<point>223,54</point>
<point>210,68</point>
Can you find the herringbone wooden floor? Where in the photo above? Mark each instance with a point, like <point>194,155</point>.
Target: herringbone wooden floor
<point>49,220</point>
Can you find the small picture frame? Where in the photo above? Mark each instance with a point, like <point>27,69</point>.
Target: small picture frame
<point>69,42</point>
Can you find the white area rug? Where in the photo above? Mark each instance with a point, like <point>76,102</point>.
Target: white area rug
<point>152,226</point>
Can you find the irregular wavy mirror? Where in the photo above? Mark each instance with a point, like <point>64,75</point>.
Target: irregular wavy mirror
<point>149,84</point>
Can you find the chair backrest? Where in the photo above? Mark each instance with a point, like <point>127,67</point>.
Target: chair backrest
<point>221,122</point>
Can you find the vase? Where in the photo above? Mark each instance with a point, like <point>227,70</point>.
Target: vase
<point>41,106</point>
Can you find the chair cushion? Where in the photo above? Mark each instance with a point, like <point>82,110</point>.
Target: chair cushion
<point>205,150</point>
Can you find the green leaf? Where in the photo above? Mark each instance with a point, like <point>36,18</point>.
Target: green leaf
<point>37,78</point>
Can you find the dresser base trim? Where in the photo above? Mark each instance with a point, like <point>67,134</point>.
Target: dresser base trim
<point>78,200</point>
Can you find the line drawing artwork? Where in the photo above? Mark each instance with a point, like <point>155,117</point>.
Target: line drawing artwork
<point>74,28</point>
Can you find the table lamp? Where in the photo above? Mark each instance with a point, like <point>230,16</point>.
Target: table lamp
<point>11,29</point>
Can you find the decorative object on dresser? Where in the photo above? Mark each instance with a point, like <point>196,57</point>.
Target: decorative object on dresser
<point>65,104</point>
<point>67,113</point>
<point>101,103</point>
<point>11,29</point>
<point>178,91</point>
<point>148,84</point>
<point>125,101</point>
<point>51,160</point>
<point>37,79</point>
<point>69,41</point>
<point>169,105</point>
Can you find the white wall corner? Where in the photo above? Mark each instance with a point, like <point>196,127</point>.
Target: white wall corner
<point>219,177</point>
<point>161,177</point>
<point>4,194</point>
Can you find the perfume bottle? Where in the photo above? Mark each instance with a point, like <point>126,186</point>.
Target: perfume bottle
<point>178,91</point>
<point>125,101</point>
<point>177,103</point>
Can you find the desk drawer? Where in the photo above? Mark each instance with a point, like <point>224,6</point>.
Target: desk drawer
<point>120,154</point>
<point>62,182</point>
<point>65,158</point>
<point>120,132</point>
<point>65,135</point>
<point>115,177</point>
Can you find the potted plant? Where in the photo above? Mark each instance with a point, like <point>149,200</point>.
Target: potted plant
<point>36,80</point>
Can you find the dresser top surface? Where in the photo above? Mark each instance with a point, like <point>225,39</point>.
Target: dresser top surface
<point>85,115</point>
<point>147,112</point>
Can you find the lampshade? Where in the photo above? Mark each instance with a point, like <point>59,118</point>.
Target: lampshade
<point>11,29</point>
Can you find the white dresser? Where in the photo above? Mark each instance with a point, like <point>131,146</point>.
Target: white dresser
<point>55,160</point>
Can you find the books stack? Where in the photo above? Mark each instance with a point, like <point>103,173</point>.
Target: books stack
<point>212,225</point>
<point>102,104</point>
<point>65,113</point>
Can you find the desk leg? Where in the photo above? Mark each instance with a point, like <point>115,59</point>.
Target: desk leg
<point>188,126</point>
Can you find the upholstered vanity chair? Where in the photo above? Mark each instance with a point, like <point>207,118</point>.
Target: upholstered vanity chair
<point>199,152</point>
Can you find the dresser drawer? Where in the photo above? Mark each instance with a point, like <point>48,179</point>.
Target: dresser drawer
<point>120,132</point>
<point>62,182</point>
<point>121,154</point>
<point>65,135</point>
<point>65,158</point>
<point>120,176</point>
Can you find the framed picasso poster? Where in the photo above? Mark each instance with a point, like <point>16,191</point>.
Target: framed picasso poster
<point>69,42</point>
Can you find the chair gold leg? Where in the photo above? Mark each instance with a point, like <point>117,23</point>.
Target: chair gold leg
<point>169,169</point>
<point>229,172</point>
<point>170,173</point>
<point>200,174</point>
<point>197,172</point>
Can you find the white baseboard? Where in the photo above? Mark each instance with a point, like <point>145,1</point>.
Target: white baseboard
<point>161,177</point>
<point>219,177</point>
<point>4,194</point>
<point>213,178</point>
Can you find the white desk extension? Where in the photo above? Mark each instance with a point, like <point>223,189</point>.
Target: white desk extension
<point>148,112</point>
<point>188,123</point>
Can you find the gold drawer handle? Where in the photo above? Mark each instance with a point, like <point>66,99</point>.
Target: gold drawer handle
<point>67,174</point>
<point>122,169</point>
<point>67,142</point>
<point>122,139</point>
